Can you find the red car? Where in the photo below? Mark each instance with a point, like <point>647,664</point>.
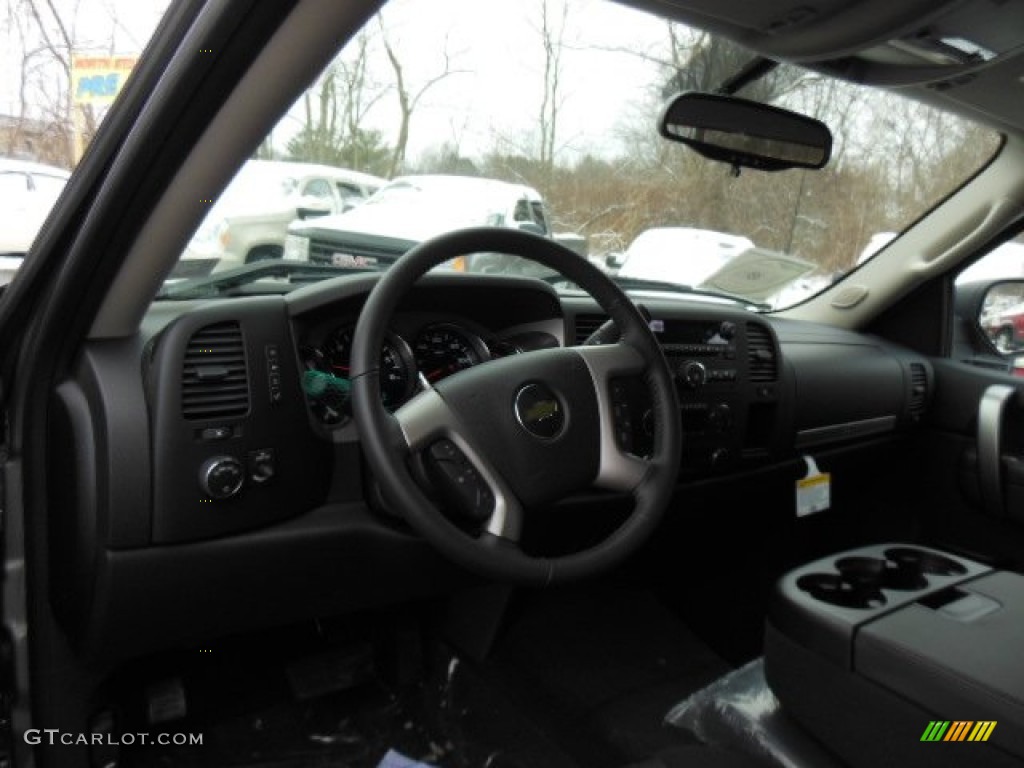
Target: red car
<point>1006,328</point>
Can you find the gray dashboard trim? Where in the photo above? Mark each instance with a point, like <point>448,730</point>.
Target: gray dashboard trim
<point>880,425</point>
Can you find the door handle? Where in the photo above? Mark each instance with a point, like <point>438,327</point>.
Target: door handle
<point>991,411</point>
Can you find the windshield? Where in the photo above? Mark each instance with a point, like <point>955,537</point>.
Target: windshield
<point>257,186</point>
<point>543,116</point>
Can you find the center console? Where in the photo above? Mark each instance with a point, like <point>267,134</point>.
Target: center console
<point>902,655</point>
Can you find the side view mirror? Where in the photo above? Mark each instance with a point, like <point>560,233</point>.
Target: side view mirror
<point>614,260</point>
<point>989,326</point>
<point>1001,317</point>
<point>746,133</point>
<point>310,207</point>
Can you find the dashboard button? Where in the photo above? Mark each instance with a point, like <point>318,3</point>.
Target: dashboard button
<point>458,481</point>
<point>262,467</point>
<point>215,433</point>
<point>221,477</point>
<point>693,374</point>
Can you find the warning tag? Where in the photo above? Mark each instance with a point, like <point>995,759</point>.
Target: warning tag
<point>813,492</point>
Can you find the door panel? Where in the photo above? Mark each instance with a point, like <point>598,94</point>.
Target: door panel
<point>970,463</point>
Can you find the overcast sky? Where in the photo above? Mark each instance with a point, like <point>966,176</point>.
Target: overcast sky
<point>494,44</point>
<point>495,49</point>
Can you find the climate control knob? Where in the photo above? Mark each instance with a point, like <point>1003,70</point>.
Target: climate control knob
<point>221,477</point>
<point>693,374</point>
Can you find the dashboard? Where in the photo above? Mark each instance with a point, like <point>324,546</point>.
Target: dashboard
<point>226,456</point>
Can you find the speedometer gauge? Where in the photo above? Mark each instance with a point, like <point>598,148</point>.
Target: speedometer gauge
<point>441,350</point>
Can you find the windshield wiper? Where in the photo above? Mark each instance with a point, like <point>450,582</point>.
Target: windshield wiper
<point>220,284</point>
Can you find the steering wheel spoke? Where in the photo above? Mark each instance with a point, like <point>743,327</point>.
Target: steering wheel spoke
<point>617,470</point>
<point>460,471</point>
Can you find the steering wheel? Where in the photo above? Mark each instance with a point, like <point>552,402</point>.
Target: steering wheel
<point>521,431</point>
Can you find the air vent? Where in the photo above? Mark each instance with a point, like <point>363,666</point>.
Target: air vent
<point>761,357</point>
<point>586,325</point>
<point>918,390</point>
<point>214,380</point>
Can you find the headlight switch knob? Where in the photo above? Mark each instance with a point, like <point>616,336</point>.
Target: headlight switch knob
<point>221,477</point>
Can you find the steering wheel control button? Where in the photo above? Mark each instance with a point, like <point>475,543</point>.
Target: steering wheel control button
<point>457,480</point>
<point>221,477</point>
<point>539,411</point>
<point>632,417</point>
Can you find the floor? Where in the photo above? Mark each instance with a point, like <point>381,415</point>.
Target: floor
<point>577,677</point>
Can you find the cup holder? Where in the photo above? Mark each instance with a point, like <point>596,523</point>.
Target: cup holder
<point>923,562</point>
<point>860,581</point>
<point>876,573</point>
<point>867,572</point>
<point>837,589</point>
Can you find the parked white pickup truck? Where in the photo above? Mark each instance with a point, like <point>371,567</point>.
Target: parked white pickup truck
<point>411,209</point>
<point>249,221</point>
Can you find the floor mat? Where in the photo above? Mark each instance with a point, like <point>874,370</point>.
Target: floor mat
<point>311,696</point>
<point>599,669</point>
<point>351,730</point>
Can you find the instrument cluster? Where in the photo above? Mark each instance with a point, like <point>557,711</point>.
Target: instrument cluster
<point>409,363</point>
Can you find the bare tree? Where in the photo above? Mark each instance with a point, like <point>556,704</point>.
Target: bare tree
<point>334,129</point>
<point>552,34</point>
<point>360,91</point>
<point>409,96</point>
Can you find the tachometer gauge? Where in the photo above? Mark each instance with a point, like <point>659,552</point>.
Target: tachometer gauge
<point>397,378</point>
<point>441,350</point>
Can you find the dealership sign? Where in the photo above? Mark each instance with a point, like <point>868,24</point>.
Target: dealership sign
<point>98,79</point>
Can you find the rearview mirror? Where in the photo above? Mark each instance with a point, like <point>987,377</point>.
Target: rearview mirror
<point>746,133</point>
